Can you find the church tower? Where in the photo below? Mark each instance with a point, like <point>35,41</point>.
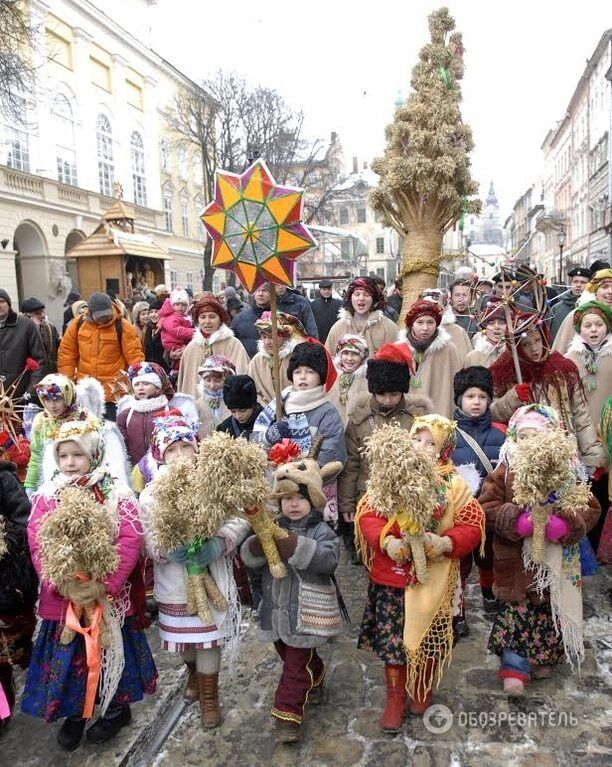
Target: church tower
<point>489,217</point>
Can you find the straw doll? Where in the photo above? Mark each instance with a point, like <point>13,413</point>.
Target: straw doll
<point>538,511</point>
<point>416,519</point>
<point>85,539</point>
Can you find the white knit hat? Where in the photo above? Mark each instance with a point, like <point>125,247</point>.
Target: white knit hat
<point>179,296</point>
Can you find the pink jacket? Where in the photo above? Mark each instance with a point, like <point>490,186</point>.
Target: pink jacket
<point>176,331</point>
<point>52,605</point>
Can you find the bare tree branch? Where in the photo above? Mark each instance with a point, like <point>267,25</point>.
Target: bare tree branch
<point>17,74</point>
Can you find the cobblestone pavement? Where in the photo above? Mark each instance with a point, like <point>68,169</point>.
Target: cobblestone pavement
<point>562,721</point>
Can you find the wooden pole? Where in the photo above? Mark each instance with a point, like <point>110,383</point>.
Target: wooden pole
<point>275,357</point>
<point>510,329</point>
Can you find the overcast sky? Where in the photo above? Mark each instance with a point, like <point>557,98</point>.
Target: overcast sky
<point>344,63</point>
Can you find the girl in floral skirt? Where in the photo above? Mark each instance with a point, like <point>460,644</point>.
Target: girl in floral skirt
<point>56,684</point>
<point>525,634</point>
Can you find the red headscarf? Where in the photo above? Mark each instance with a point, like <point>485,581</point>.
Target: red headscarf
<point>422,308</point>
<point>371,288</point>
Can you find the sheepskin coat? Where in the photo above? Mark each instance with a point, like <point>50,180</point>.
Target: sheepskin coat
<point>603,376</point>
<point>260,370</point>
<point>222,341</point>
<point>378,330</point>
<point>435,371</point>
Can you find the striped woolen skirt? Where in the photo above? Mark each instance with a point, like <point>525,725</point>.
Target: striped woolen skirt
<point>180,631</point>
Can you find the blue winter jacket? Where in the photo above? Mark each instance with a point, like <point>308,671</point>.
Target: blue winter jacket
<point>482,430</point>
<point>244,328</point>
<point>298,306</point>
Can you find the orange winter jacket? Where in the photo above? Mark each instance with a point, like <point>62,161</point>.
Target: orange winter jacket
<point>87,349</point>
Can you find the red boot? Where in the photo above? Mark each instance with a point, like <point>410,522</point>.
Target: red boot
<point>393,715</point>
<point>422,700</point>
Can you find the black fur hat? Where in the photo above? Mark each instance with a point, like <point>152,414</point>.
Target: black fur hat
<point>311,355</point>
<point>477,376</point>
<point>239,392</point>
<point>389,370</point>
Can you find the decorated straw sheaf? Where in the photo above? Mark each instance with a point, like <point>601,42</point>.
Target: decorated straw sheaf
<point>404,484</point>
<point>3,546</point>
<point>77,542</point>
<point>545,481</point>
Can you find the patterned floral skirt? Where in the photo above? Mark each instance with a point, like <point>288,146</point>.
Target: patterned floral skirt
<point>55,685</point>
<point>382,627</point>
<point>527,630</point>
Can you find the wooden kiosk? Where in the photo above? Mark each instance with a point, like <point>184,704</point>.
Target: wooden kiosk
<point>117,258</point>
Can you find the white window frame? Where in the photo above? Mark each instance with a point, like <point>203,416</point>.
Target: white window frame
<point>63,128</point>
<point>105,153</point>
<point>173,279</point>
<point>139,178</point>
<point>168,209</point>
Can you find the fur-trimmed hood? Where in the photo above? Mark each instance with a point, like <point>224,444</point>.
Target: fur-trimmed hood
<point>441,340</point>
<point>283,352</point>
<point>373,318</point>
<point>578,345</point>
<point>220,334</point>
<point>413,403</point>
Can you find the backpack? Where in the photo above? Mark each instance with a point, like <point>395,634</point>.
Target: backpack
<point>118,330</point>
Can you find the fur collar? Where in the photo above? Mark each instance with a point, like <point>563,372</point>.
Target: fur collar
<point>221,334</point>
<point>441,341</point>
<point>347,318</point>
<point>578,345</point>
<point>585,297</point>
<point>482,344</point>
<point>283,352</point>
<point>448,316</point>
<point>142,405</point>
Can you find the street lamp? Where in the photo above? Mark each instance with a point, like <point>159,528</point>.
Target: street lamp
<point>561,243</point>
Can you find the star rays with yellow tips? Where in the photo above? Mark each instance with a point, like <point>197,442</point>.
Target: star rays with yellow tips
<point>256,227</point>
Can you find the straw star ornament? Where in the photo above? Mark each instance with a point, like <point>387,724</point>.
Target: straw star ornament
<point>256,227</point>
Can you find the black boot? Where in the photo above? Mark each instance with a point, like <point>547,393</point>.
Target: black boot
<point>109,725</point>
<point>70,733</point>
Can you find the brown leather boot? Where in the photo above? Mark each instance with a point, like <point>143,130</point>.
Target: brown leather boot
<point>191,691</point>
<point>393,715</point>
<point>209,700</point>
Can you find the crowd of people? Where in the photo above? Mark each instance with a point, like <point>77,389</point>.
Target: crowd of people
<point>401,445</point>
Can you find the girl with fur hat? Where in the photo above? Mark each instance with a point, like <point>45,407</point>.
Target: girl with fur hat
<point>489,342</point>
<point>363,315</point>
<point>436,359</point>
<point>200,645</point>
<point>212,336</point>
<point>57,681</point>
<point>213,373</point>
<point>18,586</point>
<point>548,379</point>
<point>408,623</point>
<point>152,392</point>
<point>535,626</point>
<point>350,364</point>
<point>599,288</point>
<point>290,333</point>
<point>299,612</point>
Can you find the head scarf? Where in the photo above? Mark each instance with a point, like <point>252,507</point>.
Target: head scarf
<point>350,342</point>
<point>286,324</point>
<point>534,416</point>
<point>168,428</point>
<point>217,363</point>
<point>56,385</point>
<point>424,307</point>
<point>208,303</point>
<point>593,307</point>
<point>371,288</point>
<point>152,373</point>
<point>444,433</point>
<point>596,280</point>
<point>87,434</point>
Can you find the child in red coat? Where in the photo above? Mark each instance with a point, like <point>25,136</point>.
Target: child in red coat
<point>408,624</point>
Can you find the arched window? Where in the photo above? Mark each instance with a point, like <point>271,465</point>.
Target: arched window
<point>106,164</point>
<point>139,180</point>
<point>63,131</point>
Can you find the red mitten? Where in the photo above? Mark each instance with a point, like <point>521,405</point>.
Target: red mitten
<point>599,473</point>
<point>523,392</point>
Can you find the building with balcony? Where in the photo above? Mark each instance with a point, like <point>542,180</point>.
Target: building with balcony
<point>95,117</point>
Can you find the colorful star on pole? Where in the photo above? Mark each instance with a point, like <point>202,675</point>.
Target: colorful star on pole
<point>256,227</point>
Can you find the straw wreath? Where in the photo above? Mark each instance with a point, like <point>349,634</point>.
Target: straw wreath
<point>77,539</point>
<point>545,480</point>
<point>403,484</point>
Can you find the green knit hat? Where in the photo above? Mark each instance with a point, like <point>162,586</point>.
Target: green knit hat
<point>593,307</point>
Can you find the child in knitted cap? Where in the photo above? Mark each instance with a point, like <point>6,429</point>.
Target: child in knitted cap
<point>299,612</point>
<point>534,625</point>
<point>174,438</point>
<point>211,408</point>
<point>153,392</point>
<point>350,364</point>
<point>408,623</point>
<point>57,685</point>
